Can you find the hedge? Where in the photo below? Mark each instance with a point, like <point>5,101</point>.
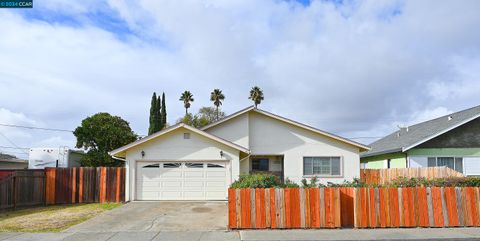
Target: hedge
<point>269,181</point>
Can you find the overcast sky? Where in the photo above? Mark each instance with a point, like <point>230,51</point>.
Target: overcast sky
<point>354,68</point>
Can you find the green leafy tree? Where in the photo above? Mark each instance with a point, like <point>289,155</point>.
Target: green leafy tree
<point>101,133</point>
<point>217,97</point>
<point>205,116</point>
<point>153,110</point>
<point>256,95</point>
<point>186,97</point>
<point>164,112</point>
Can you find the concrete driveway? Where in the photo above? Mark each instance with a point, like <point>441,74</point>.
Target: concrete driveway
<point>159,216</point>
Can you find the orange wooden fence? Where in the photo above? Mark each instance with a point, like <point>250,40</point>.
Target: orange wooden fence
<point>280,208</point>
<point>385,176</point>
<point>84,185</point>
<point>417,207</point>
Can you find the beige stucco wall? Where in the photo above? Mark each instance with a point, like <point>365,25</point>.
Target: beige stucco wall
<point>235,131</point>
<point>272,136</point>
<point>172,146</point>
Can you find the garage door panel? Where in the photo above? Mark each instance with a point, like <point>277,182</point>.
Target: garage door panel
<point>190,174</point>
<point>194,195</point>
<point>215,174</point>
<point>150,185</point>
<point>171,184</point>
<point>215,195</point>
<point>171,174</point>
<point>181,181</point>
<point>149,195</point>
<point>193,185</point>
<point>171,195</point>
<point>215,184</point>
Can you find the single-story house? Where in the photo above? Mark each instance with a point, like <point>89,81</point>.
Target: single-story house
<point>185,163</point>
<point>11,162</point>
<point>452,140</point>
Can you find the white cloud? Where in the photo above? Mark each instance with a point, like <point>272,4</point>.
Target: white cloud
<point>354,69</point>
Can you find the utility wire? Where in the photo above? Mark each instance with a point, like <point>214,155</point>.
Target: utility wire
<point>34,128</point>
<point>11,142</point>
<point>11,147</point>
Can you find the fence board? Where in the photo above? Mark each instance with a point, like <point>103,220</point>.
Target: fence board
<point>420,206</point>
<point>232,211</point>
<point>384,176</point>
<point>346,206</point>
<point>284,208</point>
<point>273,210</point>
<point>62,186</point>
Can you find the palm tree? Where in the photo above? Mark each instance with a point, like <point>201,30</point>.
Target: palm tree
<point>217,97</point>
<point>256,95</point>
<point>186,97</point>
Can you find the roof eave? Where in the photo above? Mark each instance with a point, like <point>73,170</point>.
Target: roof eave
<point>381,152</point>
<point>121,152</point>
<point>404,149</point>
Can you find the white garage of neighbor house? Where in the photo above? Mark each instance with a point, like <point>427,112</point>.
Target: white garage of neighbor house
<point>185,163</point>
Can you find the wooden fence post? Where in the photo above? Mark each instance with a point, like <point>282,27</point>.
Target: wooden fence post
<point>14,191</point>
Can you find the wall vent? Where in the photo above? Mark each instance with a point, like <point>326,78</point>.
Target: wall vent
<point>186,135</point>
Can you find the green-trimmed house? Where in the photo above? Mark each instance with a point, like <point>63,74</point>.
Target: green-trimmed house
<point>452,140</point>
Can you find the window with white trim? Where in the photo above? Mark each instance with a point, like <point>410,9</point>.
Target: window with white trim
<point>455,163</point>
<point>323,166</point>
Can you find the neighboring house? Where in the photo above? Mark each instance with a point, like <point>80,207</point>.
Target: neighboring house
<point>185,163</point>
<point>452,140</point>
<point>12,162</point>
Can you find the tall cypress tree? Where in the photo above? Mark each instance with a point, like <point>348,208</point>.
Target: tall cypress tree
<point>153,108</point>
<point>164,111</point>
<point>157,116</point>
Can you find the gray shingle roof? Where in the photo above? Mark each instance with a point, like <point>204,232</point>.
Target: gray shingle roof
<point>421,132</point>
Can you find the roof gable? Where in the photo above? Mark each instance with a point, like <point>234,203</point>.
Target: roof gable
<point>123,149</point>
<point>288,121</point>
<point>408,138</point>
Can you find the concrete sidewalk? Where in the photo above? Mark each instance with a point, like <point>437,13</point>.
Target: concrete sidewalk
<point>124,236</point>
<point>427,234</point>
<point>410,234</point>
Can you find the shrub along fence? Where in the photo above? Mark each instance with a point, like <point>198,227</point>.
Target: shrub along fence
<point>384,176</point>
<point>62,186</point>
<point>283,208</point>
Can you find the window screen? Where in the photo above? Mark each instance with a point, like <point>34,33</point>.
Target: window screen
<point>455,163</point>
<point>459,164</point>
<point>335,166</point>
<point>432,162</point>
<point>260,164</point>
<point>322,166</point>
<point>446,161</point>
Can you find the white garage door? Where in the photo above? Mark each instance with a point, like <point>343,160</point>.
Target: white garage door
<point>181,181</point>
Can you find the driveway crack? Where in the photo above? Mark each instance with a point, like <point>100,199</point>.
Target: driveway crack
<point>199,238</point>
<point>153,221</point>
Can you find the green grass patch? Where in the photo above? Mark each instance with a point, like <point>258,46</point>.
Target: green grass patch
<point>51,218</point>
